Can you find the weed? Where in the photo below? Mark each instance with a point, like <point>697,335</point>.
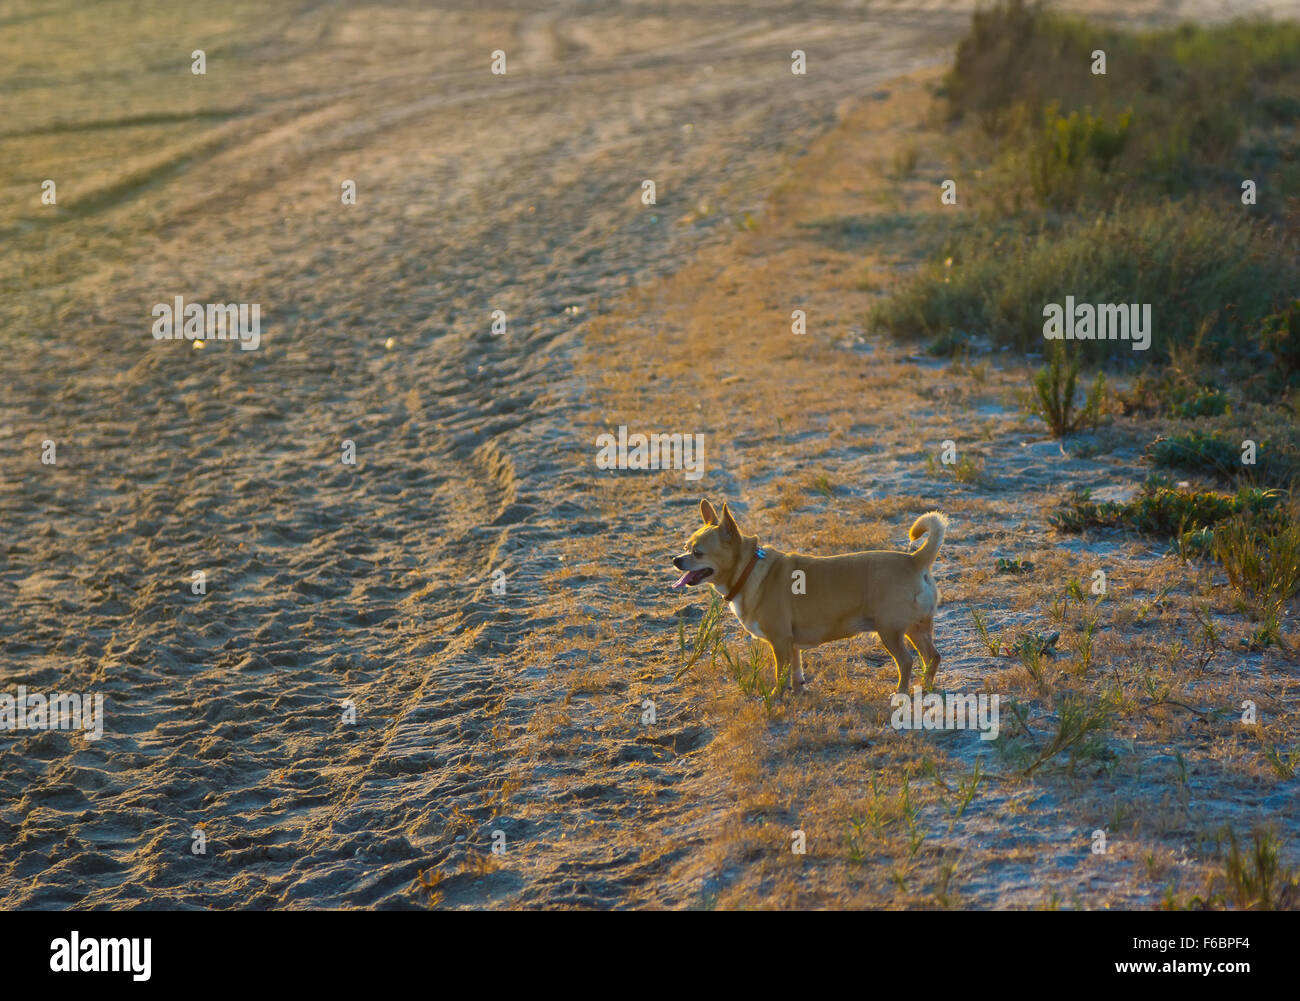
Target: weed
<point>1283,762</point>
<point>707,639</point>
<point>1079,718</point>
<point>1251,879</point>
<point>1085,642</point>
<point>992,643</point>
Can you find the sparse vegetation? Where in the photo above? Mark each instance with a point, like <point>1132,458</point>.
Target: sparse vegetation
<point>1139,685</point>
<point>1177,112</point>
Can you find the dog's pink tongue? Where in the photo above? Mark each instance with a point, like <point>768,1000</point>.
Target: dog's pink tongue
<point>681,582</point>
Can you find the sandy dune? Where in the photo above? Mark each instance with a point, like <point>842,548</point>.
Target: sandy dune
<point>328,582</point>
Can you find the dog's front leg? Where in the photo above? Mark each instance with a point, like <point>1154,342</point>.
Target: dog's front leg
<point>783,659</point>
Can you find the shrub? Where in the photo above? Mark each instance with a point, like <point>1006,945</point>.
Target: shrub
<point>1185,262</point>
<point>1279,337</point>
<point>1054,395</point>
<point>1161,510</point>
<point>1219,454</point>
<point>1069,149</point>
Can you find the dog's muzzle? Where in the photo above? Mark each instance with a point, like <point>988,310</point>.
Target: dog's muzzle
<point>691,577</point>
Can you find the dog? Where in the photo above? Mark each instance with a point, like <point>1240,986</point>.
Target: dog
<point>794,603</point>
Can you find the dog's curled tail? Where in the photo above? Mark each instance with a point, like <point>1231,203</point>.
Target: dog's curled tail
<point>933,525</point>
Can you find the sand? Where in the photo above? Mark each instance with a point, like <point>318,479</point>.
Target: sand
<point>332,585</point>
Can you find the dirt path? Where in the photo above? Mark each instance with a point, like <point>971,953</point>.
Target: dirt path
<point>330,583</point>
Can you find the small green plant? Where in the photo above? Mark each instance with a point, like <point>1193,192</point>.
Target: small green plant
<point>968,469</point>
<point>1282,762</point>
<point>1017,565</point>
<point>1032,658</point>
<point>748,672</point>
<point>1079,718</point>
<point>855,840</point>
<point>1085,642</point>
<point>1038,644</point>
<point>993,644</point>
<point>966,790</point>
<point>911,818</point>
<point>1209,639</point>
<point>1054,395</point>
<point>1032,648</point>
<point>1267,634</point>
<point>1254,879</point>
<point>943,894</point>
<point>1155,603</point>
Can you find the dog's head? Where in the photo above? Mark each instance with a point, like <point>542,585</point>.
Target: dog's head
<point>713,552</point>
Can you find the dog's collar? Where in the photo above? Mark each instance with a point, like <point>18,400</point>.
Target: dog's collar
<point>759,553</point>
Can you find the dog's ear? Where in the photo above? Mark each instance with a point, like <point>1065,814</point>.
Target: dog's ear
<point>709,515</point>
<point>728,523</point>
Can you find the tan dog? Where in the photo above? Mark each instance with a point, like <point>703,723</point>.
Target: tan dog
<point>793,603</point>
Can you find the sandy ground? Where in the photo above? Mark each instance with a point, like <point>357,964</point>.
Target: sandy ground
<point>330,583</point>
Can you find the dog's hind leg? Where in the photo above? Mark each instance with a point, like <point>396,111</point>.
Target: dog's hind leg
<point>796,670</point>
<point>893,640</point>
<point>922,637</point>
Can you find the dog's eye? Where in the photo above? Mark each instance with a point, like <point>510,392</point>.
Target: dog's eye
<point>695,553</point>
